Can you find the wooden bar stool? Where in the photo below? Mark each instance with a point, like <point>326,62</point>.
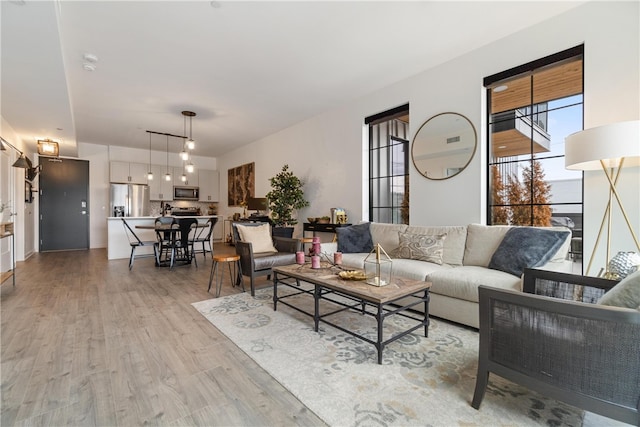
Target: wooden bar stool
<point>231,260</point>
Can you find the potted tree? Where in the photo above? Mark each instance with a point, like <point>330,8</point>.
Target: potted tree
<point>285,197</point>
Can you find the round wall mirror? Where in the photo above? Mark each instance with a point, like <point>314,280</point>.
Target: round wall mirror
<point>443,146</point>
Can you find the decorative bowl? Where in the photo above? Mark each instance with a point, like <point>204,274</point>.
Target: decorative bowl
<point>312,220</point>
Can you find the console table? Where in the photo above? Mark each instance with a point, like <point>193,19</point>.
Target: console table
<point>6,231</point>
<point>322,228</point>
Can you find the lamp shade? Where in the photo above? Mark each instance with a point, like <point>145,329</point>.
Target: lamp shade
<point>585,149</point>
<point>22,162</point>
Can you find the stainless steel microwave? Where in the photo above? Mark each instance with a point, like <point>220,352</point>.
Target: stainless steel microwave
<point>186,193</point>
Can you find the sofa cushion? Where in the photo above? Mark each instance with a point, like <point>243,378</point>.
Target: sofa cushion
<point>462,282</point>
<point>354,238</point>
<point>482,242</point>
<point>266,260</point>
<point>624,294</point>
<point>386,234</point>
<point>421,247</point>
<point>526,247</point>
<point>454,243</point>
<point>258,235</point>
<point>414,269</point>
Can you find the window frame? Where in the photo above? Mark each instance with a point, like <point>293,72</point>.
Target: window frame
<point>523,70</point>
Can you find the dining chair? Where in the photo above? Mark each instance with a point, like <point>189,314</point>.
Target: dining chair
<point>136,242</point>
<point>184,243</point>
<point>203,236</point>
<point>166,229</point>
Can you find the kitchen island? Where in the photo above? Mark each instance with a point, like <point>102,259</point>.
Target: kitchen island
<point>118,246</point>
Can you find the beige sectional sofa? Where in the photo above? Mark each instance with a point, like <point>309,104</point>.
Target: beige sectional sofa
<point>466,255</point>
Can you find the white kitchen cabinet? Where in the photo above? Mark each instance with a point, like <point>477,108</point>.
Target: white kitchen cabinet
<point>128,173</point>
<point>159,188</point>
<point>192,178</point>
<point>209,182</point>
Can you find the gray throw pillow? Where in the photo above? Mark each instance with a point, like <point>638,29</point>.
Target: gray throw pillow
<point>624,294</point>
<point>354,239</point>
<point>421,247</point>
<point>526,247</point>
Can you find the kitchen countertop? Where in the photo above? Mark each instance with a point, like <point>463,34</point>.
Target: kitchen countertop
<point>118,246</point>
<point>154,217</point>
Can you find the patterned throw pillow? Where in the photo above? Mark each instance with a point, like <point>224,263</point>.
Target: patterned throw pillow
<point>421,247</point>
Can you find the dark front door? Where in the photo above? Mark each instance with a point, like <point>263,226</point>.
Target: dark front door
<point>64,204</point>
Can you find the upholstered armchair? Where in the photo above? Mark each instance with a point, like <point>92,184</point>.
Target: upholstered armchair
<point>585,354</point>
<point>257,256</point>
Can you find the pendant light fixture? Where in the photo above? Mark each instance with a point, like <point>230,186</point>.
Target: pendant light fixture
<point>167,176</point>
<point>191,144</point>
<point>150,174</point>
<point>184,155</point>
<point>190,167</point>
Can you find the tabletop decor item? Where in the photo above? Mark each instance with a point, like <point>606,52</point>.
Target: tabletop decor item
<point>352,275</point>
<point>377,267</point>
<point>623,264</point>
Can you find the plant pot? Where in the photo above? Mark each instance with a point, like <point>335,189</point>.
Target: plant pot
<point>324,221</point>
<point>282,232</point>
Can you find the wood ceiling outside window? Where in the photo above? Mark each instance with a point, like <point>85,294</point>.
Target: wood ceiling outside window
<point>555,82</point>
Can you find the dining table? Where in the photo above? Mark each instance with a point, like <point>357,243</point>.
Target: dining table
<point>168,235</point>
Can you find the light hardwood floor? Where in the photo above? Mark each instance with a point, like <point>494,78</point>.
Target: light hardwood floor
<point>85,341</point>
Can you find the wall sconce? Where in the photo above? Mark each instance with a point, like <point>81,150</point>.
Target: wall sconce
<point>48,148</point>
<point>23,161</point>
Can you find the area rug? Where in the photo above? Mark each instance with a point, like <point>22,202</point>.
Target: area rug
<point>421,382</point>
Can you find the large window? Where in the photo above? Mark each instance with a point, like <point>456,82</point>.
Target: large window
<point>389,166</point>
<point>532,109</point>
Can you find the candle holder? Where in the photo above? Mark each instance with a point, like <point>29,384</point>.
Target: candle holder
<point>377,267</point>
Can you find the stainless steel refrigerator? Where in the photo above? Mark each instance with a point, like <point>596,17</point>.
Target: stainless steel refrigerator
<point>130,200</point>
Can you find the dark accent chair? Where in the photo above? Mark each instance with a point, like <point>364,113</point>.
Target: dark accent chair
<point>584,354</point>
<point>136,242</point>
<point>261,264</point>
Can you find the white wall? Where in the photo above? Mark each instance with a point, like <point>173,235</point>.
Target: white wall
<point>327,151</point>
<point>12,187</point>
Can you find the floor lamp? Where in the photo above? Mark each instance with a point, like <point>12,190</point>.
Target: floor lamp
<point>608,147</point>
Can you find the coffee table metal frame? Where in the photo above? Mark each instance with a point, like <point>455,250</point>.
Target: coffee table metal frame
<point>385,301</point>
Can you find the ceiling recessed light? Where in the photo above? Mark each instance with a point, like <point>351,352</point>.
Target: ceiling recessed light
<point>90,57</point>
<point>500,88</point>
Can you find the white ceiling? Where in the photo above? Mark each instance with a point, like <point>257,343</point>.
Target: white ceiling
<point>248,69</point>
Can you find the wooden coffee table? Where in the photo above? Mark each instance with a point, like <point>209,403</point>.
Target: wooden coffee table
<point>355,295</point>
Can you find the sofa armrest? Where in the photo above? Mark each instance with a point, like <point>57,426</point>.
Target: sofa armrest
<point>575,352</point>
<point>565,285</point>
<point>245,250</point>
<point>285,244</point>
